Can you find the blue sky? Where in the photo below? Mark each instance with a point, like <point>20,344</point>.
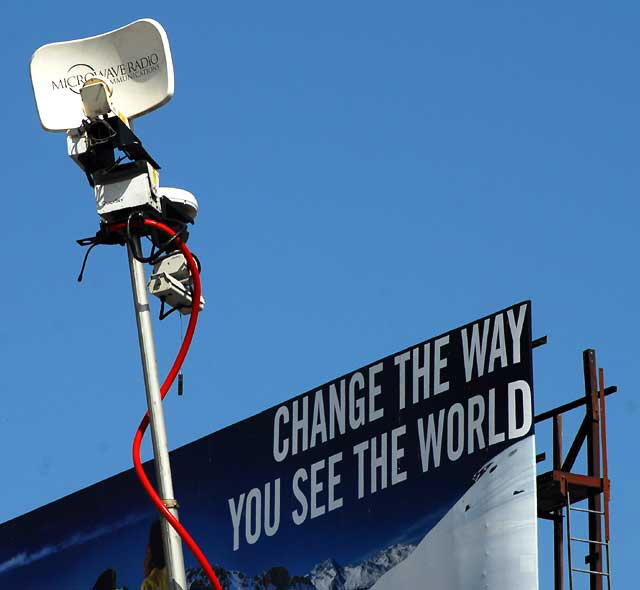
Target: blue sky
<point>369,174</point>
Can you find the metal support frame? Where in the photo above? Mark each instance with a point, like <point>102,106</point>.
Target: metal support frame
<point>561,487</point>
<point>594,559</point>
<point>171,541</point>
<point>558,539</point>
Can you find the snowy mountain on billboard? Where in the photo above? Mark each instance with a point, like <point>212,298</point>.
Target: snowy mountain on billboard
<point>327,575</point>
<point>491,529</point>
<point>276,578</point>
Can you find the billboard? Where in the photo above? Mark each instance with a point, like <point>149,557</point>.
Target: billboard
<point>415,471</point>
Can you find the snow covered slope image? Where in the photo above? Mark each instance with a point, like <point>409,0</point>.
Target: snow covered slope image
<point>487,540</point>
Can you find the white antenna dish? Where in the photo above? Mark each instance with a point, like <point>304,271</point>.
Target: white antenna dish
<point>135,60</point>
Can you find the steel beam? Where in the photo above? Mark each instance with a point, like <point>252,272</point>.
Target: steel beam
<point>594,559</point>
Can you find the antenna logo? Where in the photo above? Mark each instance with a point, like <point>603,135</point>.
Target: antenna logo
<point>135,69</point>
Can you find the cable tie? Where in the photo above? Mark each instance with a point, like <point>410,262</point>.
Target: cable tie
<point>171,503</point>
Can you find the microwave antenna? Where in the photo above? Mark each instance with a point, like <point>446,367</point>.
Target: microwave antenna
<point>92,89</point>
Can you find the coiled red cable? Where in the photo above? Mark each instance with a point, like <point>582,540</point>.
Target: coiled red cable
<point>166,385</point>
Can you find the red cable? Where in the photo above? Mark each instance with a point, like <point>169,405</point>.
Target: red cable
<point>175,368</point>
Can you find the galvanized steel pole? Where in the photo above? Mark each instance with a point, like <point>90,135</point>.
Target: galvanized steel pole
<point>170,539</point>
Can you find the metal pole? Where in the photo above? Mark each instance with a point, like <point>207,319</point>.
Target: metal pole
<point>558,541</point>
<point>170,539</point>
<point>594,559</point>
